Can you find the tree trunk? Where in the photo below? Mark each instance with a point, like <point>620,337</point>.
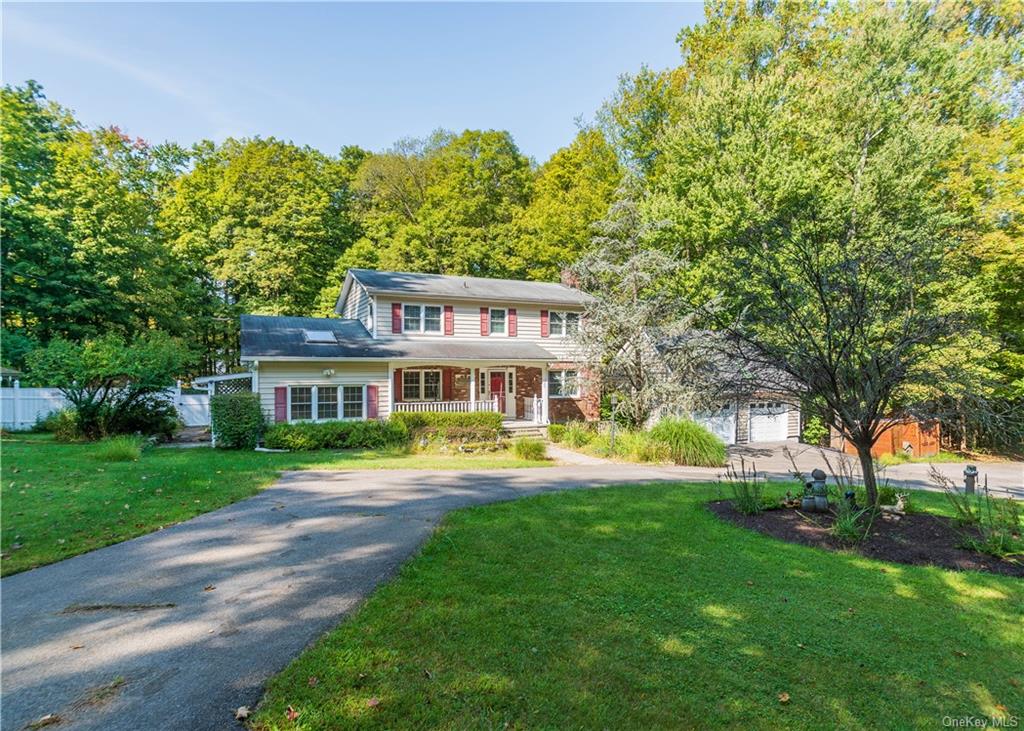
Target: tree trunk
<point>867,468</point>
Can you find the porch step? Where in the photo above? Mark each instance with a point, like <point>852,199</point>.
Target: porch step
<point>530,430</point>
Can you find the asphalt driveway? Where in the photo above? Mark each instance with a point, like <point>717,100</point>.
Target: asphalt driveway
<point>178,628</point>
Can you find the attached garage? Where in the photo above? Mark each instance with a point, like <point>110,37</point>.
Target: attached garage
<point>769,421</point>
<point>720,421</point>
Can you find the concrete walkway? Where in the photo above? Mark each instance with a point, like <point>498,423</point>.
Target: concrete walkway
<point>176,629</point>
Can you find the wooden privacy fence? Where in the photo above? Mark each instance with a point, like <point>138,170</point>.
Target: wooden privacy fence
<point>22,408</point>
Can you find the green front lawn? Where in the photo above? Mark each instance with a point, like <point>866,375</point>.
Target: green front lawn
<point>634,607</point>
<point>57,500</point>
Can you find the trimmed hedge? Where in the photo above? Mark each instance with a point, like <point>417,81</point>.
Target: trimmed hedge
<point>236,420</point>
<point>480,426</point>
<point>308,435</point>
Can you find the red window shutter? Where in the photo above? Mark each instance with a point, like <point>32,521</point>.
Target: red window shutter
<point>449,320</point>
<point>371,402</point>
<point>280,403</point>
<point>447,384</point>
<point>485,321</point>
<point>545,324</point>
<point>396,387</point>
<point>512,324</point>
<point>396,317</point>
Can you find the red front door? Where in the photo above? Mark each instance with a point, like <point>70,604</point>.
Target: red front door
<point>498,389</point>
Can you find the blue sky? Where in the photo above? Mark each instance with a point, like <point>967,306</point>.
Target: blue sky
<point>327,75</point>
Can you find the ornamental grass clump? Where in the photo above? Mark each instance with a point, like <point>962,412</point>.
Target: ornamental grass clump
<point>118,449</point>
<point>531,449</point>
<point>577,434</point>
<point>689,443</point>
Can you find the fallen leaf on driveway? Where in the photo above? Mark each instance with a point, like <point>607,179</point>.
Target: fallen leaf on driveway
<point>209,587</point>
<point>291,714</point>
<point>242,713</point>
<point>77,647</point>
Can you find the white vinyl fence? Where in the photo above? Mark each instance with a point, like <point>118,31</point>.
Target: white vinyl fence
<point>21,408</point>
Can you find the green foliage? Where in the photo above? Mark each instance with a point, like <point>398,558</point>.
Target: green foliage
<point>115,386</point>
<point>480,426</point>
<point>815,431</point>
<point>123,448</point>
<point>851,525</point>
<point>556,432</point>
<point>632,446</point>
<point>308,435</point>
<point>689,443</point>
<point>987,524</point>
<point>577,434</point>
<point>63,424</point>
<point>531,449</point>
<point>236,420</point>
<point>747,488</point>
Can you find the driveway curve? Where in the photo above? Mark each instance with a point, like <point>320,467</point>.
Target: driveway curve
<point>176,629</point>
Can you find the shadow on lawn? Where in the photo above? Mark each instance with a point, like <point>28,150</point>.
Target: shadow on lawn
<point>635,608</point>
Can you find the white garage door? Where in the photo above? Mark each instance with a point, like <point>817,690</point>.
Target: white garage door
<point>768,421</point>
<point>720,421</point>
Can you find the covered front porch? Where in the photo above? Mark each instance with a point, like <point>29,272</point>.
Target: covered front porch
<point>517,391</point>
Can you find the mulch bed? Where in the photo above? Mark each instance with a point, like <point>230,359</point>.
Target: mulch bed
<point>919,538</point>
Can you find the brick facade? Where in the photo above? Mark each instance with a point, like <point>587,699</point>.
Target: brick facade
<point>585,408</point>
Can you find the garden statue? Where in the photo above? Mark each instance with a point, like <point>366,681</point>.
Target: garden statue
<point>815,493</point>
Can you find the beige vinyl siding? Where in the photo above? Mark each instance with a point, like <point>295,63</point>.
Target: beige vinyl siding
<point>357,305</point>
<point>467,323</point>
<point>297,373</point>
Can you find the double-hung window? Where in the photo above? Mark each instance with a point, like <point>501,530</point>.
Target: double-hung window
<point>421,318</point>
<point>564,323</point>
<point>421,385</point>
<point>352,402</point>
<point>301,403</point>
<point>563,384</point>
<point>497,320</point>
<point>327,402</point>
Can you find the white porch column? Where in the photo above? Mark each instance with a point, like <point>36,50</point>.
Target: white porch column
<point>472,388</point>
<point>544,419</point>
<point>391,391</point>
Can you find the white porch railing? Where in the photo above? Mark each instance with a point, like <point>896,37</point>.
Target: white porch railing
<point>531,409</point>
<point>463,407</point>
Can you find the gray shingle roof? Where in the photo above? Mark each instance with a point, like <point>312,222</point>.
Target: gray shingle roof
<point>265,336</point>
<point>476,288</point>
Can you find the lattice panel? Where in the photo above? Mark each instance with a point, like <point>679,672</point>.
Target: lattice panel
<point>234,385</point>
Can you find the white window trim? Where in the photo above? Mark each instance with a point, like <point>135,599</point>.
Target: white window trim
<point>490,321</point>
<point>316,404</point>
<point>423,386</point>
<point>423,320</point>
<point>562,314</point>
<point>579,390</point>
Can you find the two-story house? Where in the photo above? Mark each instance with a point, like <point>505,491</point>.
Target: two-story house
<point>424,342</point>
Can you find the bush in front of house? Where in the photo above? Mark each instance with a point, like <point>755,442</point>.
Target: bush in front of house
<point>480,426</point>
<point>308,435</point>
<point>689,443</point>
<point>531,449</point>
<point>236,420</point>
<point>556,432</point>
